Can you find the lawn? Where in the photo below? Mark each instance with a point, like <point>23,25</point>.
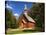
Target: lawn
<point>19,31</point>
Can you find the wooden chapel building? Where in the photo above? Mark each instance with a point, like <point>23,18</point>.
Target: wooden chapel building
<point>25,21</point>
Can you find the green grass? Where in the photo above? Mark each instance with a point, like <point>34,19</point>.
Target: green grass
<point>15,31</point>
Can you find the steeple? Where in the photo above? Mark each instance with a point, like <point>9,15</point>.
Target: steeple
<point>25,7</point>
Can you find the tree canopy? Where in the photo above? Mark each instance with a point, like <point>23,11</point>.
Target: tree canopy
<point>10,19</point>
<point>37,13</point>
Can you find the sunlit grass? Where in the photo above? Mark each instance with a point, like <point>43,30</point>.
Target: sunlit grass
<point>19,31</point>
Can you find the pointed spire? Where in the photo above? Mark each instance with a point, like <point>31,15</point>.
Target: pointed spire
<point>25,7</point>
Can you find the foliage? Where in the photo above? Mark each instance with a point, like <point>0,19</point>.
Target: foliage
<point>38,14</point>
<point>10,19</point>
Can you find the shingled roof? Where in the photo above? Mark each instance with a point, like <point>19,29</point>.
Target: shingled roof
<point>29,18</point>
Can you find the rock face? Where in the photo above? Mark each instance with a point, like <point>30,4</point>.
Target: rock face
<point>26,21</point>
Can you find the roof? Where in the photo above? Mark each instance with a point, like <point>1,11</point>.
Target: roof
<point>29,18</point>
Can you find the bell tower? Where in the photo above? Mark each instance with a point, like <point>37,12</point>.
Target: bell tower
<point>25,7</point>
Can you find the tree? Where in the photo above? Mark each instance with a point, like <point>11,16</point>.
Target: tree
<point>38,14</point>
<point>10,19</point>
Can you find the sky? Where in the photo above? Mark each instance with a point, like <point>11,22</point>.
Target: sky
<point>17,7</point>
